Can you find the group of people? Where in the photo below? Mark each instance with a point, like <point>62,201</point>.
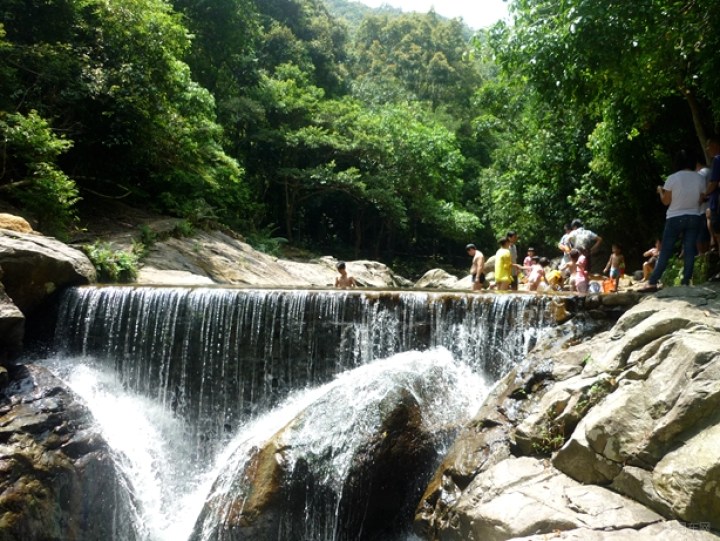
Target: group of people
<point>691,195</point>
<point>577,246</point>
<point>506,267</point>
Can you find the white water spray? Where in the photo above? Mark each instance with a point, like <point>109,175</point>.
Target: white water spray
<point>170,485</point>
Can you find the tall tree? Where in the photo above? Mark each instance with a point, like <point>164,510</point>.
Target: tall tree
<point>110,76</point>
<point>633,82</point>
<point>646,52</point>
<point>420,55</point>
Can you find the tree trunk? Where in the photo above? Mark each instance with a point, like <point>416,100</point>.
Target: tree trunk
<point>358,224</point>
<point>697,120</point>
<point>289,211</point>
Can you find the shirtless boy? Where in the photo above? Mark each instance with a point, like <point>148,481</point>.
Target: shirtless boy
<point>344,280</point>
<point>476,269</point>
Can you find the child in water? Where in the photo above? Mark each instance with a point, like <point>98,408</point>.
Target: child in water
<point>536,272</point>
<point>649,265</point>
<point>578,274</point>
<point>344,280</point>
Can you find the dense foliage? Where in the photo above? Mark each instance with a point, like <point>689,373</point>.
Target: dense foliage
<point>608,91</point>
<point>363,132</point>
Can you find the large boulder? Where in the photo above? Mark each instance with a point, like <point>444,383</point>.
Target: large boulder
<point>58,481</point>
<point>35,266</point>
<point>287,491</point>
<point>632,414</point>
<point>353,459</point>
<point>523,496</point>
<point>217,257</point>
<point>441,279</point>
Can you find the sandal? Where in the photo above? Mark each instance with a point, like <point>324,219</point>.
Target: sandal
<point>649,288</point>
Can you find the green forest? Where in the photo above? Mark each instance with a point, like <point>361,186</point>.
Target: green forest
<point>352,131</point>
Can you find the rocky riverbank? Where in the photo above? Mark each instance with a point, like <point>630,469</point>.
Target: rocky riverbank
<point>612,437</point>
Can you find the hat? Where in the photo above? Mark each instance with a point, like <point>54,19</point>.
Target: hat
<point>470,247</point>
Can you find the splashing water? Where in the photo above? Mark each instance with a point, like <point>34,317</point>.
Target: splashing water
<point>187,384</point>
<point>170,487</point>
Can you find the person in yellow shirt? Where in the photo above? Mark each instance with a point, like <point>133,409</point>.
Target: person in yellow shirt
<point>503,265</point>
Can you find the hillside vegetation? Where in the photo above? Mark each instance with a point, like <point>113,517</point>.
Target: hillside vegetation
<point>365,133</point>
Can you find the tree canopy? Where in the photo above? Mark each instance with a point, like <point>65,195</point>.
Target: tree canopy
<point>359,131</point>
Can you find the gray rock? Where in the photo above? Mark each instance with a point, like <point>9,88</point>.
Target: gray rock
<point>58,480</point>
<point>661,531</point>
<point>525,496</point>
<point>216,257</point>
<point>440,279</point>
<point>634,409</point>
<point>35,266</point>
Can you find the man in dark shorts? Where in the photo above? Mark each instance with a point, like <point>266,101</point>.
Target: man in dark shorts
<point>478,264</point>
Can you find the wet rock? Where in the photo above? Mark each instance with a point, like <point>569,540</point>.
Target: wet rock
<point>284,494</point>
<point>12,329</point>
<point>350,464</point>
<point>51,488</point>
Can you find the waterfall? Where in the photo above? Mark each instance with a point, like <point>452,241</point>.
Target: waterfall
<point>209,372</point>
<point>319,434</point>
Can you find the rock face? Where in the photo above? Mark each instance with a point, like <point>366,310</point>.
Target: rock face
<point>58,482</point>
<point>440,279</point>
<point>215,257</point>
<point>348,460</point>
<point>616,434</point>
<point>35,266</point>
<point>279,493</point>
<point>12,328</point>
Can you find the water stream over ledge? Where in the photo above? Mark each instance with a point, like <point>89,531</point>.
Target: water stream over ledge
<point>185,382</point>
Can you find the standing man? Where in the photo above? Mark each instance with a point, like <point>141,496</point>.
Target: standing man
<point>478,264</point>
<point>512,238</point>
<point>564,245</point>
<point>585,241</point>
<point>682,193</point>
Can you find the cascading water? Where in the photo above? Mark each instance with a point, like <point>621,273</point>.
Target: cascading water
<point>195,373</point>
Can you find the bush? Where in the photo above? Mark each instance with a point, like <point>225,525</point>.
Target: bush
<point>265,241</point>
<point>673,273</point>
<point>112,266</point>
<point>29,149</point>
